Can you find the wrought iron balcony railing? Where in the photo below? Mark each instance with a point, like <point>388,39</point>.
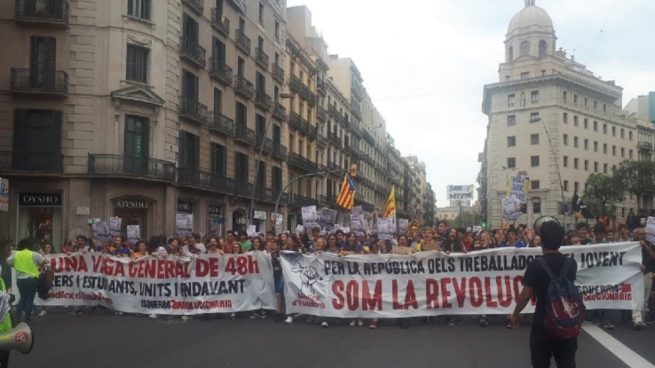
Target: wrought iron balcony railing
<point>134,166</point>
<point>191,51</point>
<point>242,41</point>
<point>244,87</point>
<point>221,124</point>
<point>261,58</point>
<point>39,82</point>
<point>219,71</point>
<point>43,12</point>
<point>220,22</point>
<point>28,161</point>
<point>192,109</point>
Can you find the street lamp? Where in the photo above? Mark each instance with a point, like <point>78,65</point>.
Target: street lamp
<point>251,211</point>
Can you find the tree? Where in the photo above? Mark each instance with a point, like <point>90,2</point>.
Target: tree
<point>601,194</point>
<point>638,178</point>
<point>467,219</point>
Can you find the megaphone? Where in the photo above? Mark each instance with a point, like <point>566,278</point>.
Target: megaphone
<point>542,220</point>
<point>20,338</point>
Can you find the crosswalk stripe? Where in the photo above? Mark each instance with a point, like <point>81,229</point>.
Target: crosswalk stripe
<point>616,347</point>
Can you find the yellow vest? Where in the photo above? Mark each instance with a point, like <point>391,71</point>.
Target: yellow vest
<point>5,324</point>
<point>24,262</point>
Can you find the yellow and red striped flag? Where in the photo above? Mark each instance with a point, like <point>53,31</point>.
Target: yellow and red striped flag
<point>390,210</point>
<point>346,197</point>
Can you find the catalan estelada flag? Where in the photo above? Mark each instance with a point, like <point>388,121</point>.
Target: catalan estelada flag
<point>346,197</point>
<point>390,210</point>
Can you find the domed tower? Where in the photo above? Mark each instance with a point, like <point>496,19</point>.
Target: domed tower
<point>530,34</point>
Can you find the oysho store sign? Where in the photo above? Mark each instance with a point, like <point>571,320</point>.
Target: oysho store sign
<point>132,203</point>
<point>39,199</point>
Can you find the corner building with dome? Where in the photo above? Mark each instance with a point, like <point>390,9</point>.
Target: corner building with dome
<point>552,120</point>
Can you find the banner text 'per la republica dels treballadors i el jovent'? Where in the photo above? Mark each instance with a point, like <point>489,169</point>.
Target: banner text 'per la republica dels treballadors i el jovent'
<point>433,283</point>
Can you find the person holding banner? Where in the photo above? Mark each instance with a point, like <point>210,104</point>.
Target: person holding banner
<point>535,284</point>
<point>429,243</point>
<point>648,267</point>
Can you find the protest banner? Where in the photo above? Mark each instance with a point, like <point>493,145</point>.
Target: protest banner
<point>433,283</point>
<point>327,217</point>
<point>511,208</point>
<point>115,224</point>
<point>175,286</point>
<point>133,233</point>
<point>309,217</point>
<point>183,224</point>
<point>460,192</point>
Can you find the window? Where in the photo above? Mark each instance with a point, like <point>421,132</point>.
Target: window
<point>595,146</point>
<point>622,133</point>
<point>575,163</point>
<point>542,48</point>
<point>565,160</point>
<point>595,166</point>
<point>576,187</point>
<point>525,48</point>
<point>630,135</point>
<point>613,131</point>
<point>139,9</point>
<point>510,55</point>
<point>586,165</point>
<point>565,139</point>
<point>522,99</point>
<point>565,117</point>
<point>566,185</point>
<point>241,167</point>
<point>613,150</point>
<point>276,179</point>
<point>189,150</point>
<point>510,100</point>
<point>534,117</point>
<point>604,128</point>
<point>137,132</point>
<point>565,97</point>
<point>622,152</point>
<point>37,135</point>
<point>630,154</point>
<point>218,55</point>
<point>595,105</point>
<point>604,168</point>
<point>586,123</point>
<point>575,121</point>
<point>511,141</point>
<point>511,162</point>
<point>586,102</point>
<point>595,126</point>
<point>535,184</point>
<point>536,206</point>
<point>260,180</point>
<point>218,159</point>
<point>534,161</point>
<point>241,118</point>
<point>260,129</point>
<point>277,30</point>
<point>511,120</point>
<point>605,148</point>
<point>575,100</point>
<point>525,75</point>
<point>534,139</point>
<point>261,13</point>
<point>534,97</point>
<point>218,103</point>
<point>137,64</point>
<point>575,142</point>
<point>586,144</point>
<point>189,31</point>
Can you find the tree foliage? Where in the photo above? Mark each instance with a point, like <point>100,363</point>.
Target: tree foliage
<point>467,219</point>
<point>638,178</point>
<point>601,194</point>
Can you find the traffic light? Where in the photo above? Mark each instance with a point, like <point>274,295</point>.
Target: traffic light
<point>353,170</point>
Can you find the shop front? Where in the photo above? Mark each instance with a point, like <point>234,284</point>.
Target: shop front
<point>239,221</point>
<point>40,217</point>
<point>133,211</point>
<point>215,220</point>
<point>184,225</point>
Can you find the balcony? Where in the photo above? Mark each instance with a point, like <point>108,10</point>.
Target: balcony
<point>221,124</point>
<point>197,178</point>
<point>244,87</point>
<point>243,134</point>
<point>300,201</point>
<point>357,90</point>
<point>646,146</point>
<point>36,162</point>
<point>197,5</point>
<point>295,121</point>
<point>280,111</point>
<point>312,131</point>
<point>356,109</point>
<point>240,5</point>
<point>191,109</point>
<point>278,73</point>
<point>242,41</point>
<point>295,85</point>
<point>261,58</point>
<point>320,87</point>
<point>354,151</point>
<point>300,163</point>
<point>220,22</point>
<point>321,114</point>
<point>52,13</point>
<point>41,82</point>
<point>131,166</point>
<point>192,52</point>
<point>279,152</point>
<point>220,72</point>
<point>263,101</point>
<point>368,137</point>
<point>334,139</point>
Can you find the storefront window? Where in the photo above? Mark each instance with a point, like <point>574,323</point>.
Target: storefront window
<point>40,218</point>
<point>184,218</point>
<point>215,218</point>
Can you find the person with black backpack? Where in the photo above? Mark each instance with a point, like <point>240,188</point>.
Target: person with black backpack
<point>559,312</point>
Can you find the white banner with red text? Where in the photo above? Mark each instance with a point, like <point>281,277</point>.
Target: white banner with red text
<point>172,285</point>
<point>435,283</point>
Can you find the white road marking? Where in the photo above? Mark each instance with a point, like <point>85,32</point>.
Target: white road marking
<point>616,347</point>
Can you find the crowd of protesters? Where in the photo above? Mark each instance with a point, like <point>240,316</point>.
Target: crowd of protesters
<point>415,239</point>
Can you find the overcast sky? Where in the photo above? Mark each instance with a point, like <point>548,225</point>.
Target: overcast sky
<point>425,62</point>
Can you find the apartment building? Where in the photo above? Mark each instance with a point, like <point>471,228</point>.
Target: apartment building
<point>147,111</point>
<point>550,119</point>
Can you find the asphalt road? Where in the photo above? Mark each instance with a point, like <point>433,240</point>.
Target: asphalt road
<point>133,341</point>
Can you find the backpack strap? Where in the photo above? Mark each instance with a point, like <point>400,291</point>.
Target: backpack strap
<point>566,267</point>
<point>546,267</point>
